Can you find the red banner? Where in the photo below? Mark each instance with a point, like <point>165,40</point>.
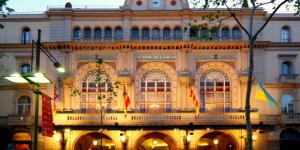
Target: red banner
<point>47,118</point>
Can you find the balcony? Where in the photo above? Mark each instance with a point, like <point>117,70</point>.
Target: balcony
<point>290,78</point>
<point>20,120</point>
<point>140,119</point>
<point>290,118</point>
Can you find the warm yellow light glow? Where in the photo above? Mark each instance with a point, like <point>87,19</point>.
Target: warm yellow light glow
<point>254,137</point>
<point>207,129</point>
<point>188,138</point>
<point>16,78</point>
<point>39,78</point>
<point>123,137</point>
<point>203,144</point>
<point>95,142</point>
<point>68,130</point>
<point>216,141</point>
<point>57,137</point>
<point>154,142</point>
<point>154,106</point>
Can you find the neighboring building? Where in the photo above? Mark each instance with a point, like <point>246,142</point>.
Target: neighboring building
<point>145,47</point>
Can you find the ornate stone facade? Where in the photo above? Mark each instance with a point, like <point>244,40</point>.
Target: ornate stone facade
<point>144,47</point>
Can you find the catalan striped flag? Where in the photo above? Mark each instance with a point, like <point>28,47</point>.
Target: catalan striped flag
<point>192,96</point>
<point>262,94</point>
<point>126,101</point>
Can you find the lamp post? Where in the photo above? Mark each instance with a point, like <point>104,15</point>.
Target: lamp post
<point>36,79</point>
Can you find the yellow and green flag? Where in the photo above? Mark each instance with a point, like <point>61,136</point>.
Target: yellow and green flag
<point>262,94</point>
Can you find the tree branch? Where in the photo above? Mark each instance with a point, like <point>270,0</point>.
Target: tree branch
<point>233,14</point>
<point>269,18</point>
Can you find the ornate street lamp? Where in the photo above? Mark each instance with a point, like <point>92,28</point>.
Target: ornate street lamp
<point>36,79</point>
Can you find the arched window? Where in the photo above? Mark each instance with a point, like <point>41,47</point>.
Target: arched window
<point>156,34</point>
<point>167,34</point>
<point>285,34</point>
<point>225,34</point>
<point>287,68</point>
<point>194,32</point>
<point>214,32</point>
<point>204,34</point>
<point>108,34</point>
<point>177,33</point>
<point>156,92</point>
<point>145,34</point>
<point>87,34</point>
<point>24,105</point>
<point>118,34</point>
<point>76,33</point>
<point>97,34</point>
<point>135,34</point>
<point>25,68</point>
<point>215,91</point>
<point>92,89</point>
<point>287,105</point>
<point>236,34</point>
<point>26,36</point>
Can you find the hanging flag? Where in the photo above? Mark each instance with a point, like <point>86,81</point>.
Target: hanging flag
<point>262,94</point>
<point>126,101</point>
<point>55,98</point>
<point>47,118</point>
<point>192,96</point>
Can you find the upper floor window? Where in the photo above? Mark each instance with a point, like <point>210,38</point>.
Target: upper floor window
<point>156,34</point>
<point>225,34</point>
<point>135,33</point>
<point>24,105</point>
<point>166,34</point>
<point>145,34</point>
<point>204,33</point>
<point>287,68</point>
<point>285,34</point>
<point>97,34</point>
<point>76,33</point>
<point>287,105</point>
<point>194,32</point>
<point>87,34</point>
<point>156,92</point>
<point>118,34</point>
<point>236,34</point>
<point>26,36</point>
<point>214,33</point>
<point>108,34</point>
<point>215,91</point>
<point>177,33</point>
<point>92,89</point>
<point>25,68</point>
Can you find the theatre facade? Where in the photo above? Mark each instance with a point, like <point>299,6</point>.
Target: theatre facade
<point>153,49</point>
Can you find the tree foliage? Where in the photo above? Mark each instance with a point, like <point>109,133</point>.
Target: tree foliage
<point>230,9</point>
<point>5,10</point>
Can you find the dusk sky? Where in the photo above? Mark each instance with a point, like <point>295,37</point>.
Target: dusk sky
<point>38,6</point>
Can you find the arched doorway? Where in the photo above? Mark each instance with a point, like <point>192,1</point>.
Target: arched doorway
<point>217,140</point>
<point>21,140</point>
<point>94,141</point>
<point>289,139</point>
<point>155,141</point>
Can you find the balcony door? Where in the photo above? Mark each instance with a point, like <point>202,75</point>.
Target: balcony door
<point>215,91</point>
<point>155,92</point>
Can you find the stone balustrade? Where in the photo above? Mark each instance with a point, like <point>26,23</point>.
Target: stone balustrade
<point>233,118</point>
<point>20,120</point>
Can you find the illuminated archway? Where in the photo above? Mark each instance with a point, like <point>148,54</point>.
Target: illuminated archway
<point>155,140</point>
<point>94,141</point>
<point>217,140</point>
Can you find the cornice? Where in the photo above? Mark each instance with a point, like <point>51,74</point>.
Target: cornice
<point>281,45</point>
<point>180,45</point>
